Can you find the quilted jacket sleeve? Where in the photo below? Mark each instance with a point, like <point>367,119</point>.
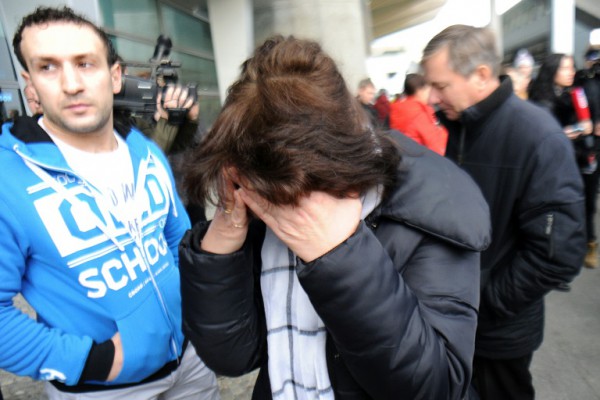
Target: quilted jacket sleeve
<point>401,308</point>
<point>222,308</point>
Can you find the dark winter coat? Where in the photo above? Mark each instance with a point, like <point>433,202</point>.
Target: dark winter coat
<point>525,167</point>
<point>398,298</point>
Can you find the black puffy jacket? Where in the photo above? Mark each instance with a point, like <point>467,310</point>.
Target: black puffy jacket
<point>525,166</point>
<point>399,297</point>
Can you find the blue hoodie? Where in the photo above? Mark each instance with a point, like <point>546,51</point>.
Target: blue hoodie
<point>83,272</point>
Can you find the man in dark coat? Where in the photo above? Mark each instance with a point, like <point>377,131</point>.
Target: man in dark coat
<point>525,167</point>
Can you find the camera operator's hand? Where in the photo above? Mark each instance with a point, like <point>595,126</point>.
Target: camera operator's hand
<point>176,96</point>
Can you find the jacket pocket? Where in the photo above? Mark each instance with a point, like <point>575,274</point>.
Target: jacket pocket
<point>549,232</point>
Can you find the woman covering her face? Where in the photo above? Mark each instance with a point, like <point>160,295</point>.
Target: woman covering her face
<point>340,261</point>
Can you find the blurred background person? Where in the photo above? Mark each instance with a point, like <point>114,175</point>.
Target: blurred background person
<point>523,66</point>
<point>366,97</point>
<point>553,89</point>
<point>589,78</point>
<point>382,106</point>
<point>414,117</point>
<point>32,101</point>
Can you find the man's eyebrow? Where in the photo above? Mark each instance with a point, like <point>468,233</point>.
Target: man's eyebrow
<point>50,57</point>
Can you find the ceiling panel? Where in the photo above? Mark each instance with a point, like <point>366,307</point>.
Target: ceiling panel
<point>389,16</point>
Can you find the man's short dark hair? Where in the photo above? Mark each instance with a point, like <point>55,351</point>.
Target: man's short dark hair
<point>46,15</point>
<point>412,83</point>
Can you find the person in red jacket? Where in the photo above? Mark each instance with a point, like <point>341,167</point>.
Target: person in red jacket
<point>415,118</point>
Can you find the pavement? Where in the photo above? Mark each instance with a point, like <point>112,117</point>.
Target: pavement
<point>566,367</point>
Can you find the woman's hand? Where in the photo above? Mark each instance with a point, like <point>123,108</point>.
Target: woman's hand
<point>582,128</point>
<point>319,223</point>
<point>229,227</point>
<point>572,131</point>
<point>587,126</point>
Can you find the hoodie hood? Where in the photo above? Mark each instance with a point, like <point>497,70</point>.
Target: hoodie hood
<point>27,137</point>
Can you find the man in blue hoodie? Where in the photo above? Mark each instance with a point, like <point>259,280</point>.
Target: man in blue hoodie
<point>90,224</point>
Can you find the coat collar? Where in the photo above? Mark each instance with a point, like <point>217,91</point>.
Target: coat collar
<point>478,113</point>
<point>27,129</point>
<point>435,196</point>
<point>27,137</point>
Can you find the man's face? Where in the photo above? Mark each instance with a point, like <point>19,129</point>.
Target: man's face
<point>526,70</point>
<point>69,72</point>
<point>32,100</point>
<point>450,91</point>
<point>367,94</point>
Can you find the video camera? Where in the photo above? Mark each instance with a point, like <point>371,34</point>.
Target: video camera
<point>138,95</point>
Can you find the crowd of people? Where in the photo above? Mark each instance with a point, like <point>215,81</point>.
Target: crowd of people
<point>360,248</point>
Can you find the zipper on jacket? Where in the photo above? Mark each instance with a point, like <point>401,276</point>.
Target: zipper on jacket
<point>548,232</point>
<point>371,222</point>
<point>38,168</point>
<point>461,145</point>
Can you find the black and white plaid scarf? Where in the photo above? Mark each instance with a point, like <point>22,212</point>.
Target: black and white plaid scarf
<point>296,335</point>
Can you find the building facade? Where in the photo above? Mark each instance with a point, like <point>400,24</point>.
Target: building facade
<point>210,51</point>
<point>549,26</point>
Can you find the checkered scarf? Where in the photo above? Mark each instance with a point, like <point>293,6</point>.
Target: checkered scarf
<point>296,335</point>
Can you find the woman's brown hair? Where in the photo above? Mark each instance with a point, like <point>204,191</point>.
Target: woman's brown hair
<point>290,126</point>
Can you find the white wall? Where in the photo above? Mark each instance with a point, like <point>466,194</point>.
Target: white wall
<point>562,38</point>
<point>338,25</point>
<point>231,27</point>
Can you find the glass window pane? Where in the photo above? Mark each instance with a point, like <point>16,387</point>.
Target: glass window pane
<point>209,109</point>
<point>137,17</point>
<point>11,104</point>
<point>132,51</point>
<point>196,69</point>
<point>186,31</point>
<point>6,67</point>
<point>193,69</point>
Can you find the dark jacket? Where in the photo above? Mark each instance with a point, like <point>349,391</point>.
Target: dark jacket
<point>525,167</point>
<point>399,297</point>
<point>590,81</point>
<point>372,114</point>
